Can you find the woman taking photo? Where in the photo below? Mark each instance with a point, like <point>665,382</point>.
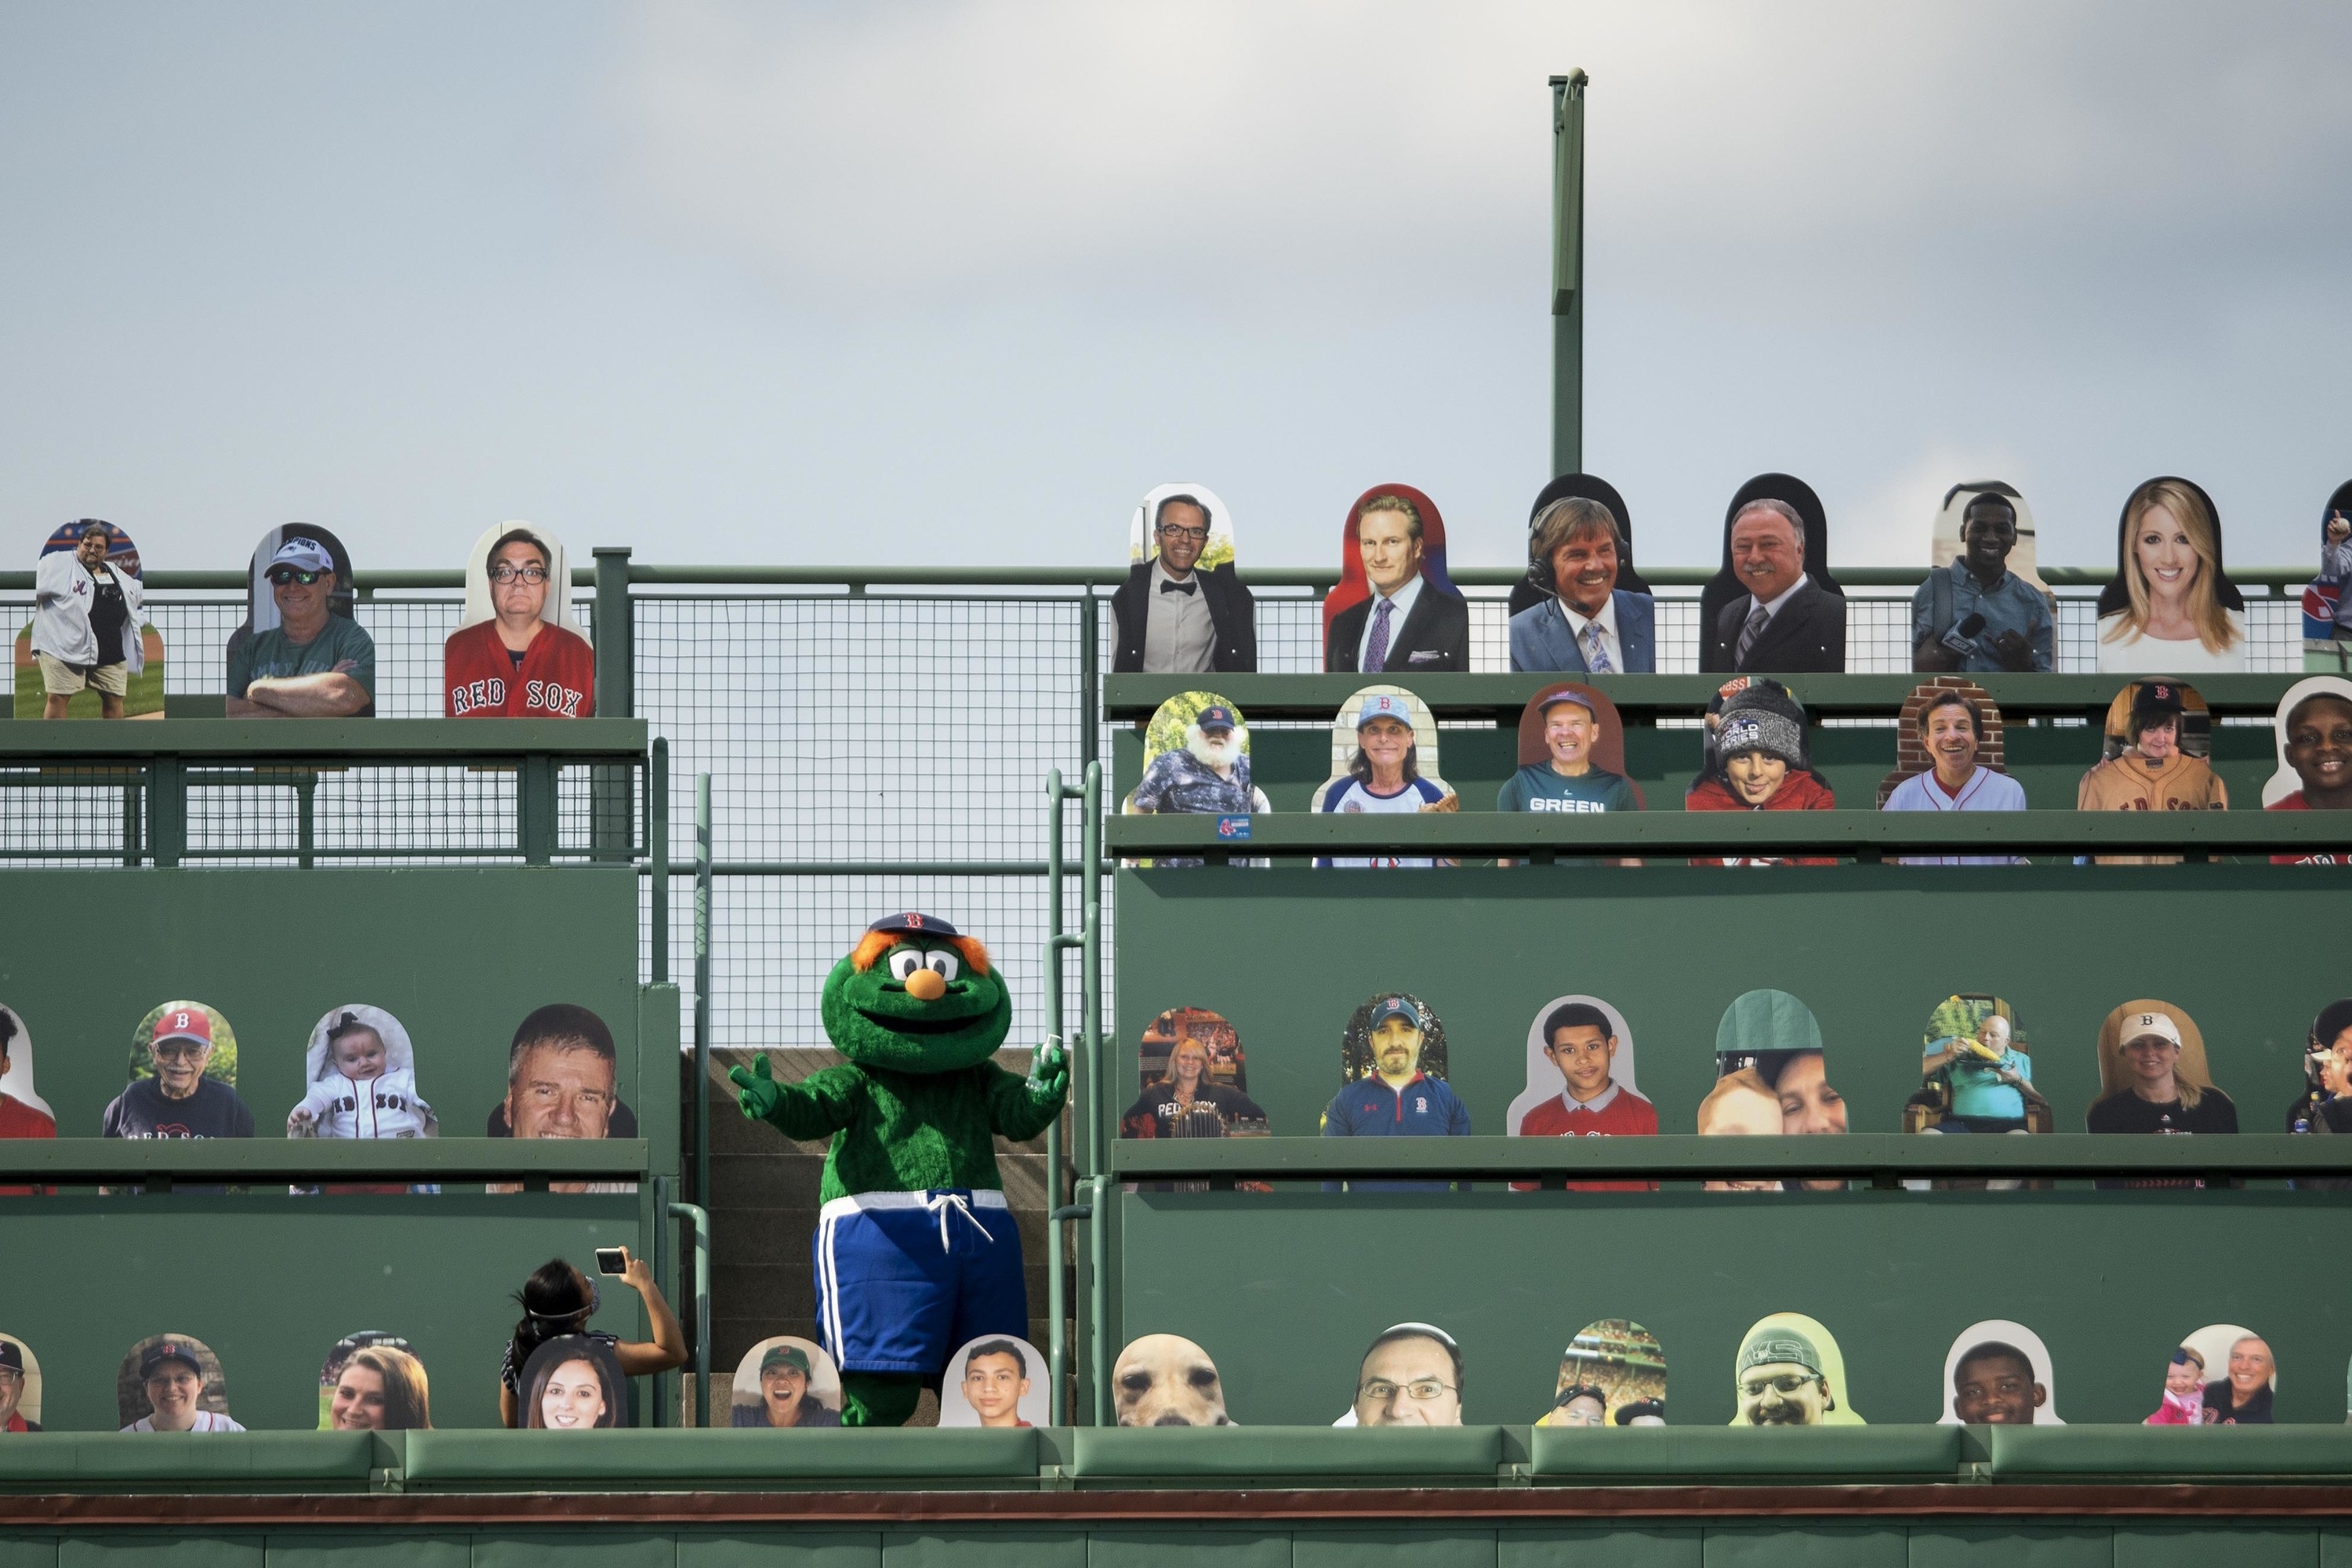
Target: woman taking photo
<point>558,1301</point>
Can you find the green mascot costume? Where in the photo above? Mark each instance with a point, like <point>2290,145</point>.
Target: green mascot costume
<point>916,1251</point>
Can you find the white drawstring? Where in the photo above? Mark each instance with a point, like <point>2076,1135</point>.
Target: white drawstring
<point>939,1203</point>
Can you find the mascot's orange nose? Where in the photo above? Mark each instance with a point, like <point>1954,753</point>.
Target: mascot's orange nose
<point>926,985</point>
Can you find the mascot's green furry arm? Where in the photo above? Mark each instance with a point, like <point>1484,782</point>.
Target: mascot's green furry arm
<point>916,1251</point>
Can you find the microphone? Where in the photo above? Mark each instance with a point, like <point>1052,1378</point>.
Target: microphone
<point>1963,639</point>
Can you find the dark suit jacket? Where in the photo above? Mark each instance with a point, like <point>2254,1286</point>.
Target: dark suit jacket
<point>1233,619</point>
<point>1438,630</point>
<point>1807,636</point>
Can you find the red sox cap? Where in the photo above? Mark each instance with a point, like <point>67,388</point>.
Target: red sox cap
<point>188,1023</point>
<point>169,1349</point>
<point>2157,697</point>
<point>929,925</point>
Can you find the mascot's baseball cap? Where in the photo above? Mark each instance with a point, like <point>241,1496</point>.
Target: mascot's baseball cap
<point>2160,1025</point>
<point>169,1349</point>
<point>1216,717</point>
<point>1393,1007</point>
<point>303,556</point>
<point>925,925</point>
<point>1383,707</point>
<point>191,1023</point>
<point>1778,1345</point>
<point>786,1355</point>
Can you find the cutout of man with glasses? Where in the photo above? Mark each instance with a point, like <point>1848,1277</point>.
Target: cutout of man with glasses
<point>1411,1376</point>
<point>518,664</point>
<point>1175,616</point>
<point>179,1101</point>
<point>313,664</point>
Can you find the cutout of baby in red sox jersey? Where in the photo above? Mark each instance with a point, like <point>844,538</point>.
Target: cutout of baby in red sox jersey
<point>519,654</point>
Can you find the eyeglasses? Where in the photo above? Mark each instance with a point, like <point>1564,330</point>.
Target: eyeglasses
<point>281,575</point>
<point>1170,530</point>
<point>1380,1391</point>
<point>180,1050</point>
<point>1786,1382</point>
<point>505,572</point>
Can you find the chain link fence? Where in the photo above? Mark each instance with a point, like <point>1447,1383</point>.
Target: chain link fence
<point>840,730</point>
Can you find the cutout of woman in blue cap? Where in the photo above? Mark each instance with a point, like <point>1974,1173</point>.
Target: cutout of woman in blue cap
<point>1382,743</point>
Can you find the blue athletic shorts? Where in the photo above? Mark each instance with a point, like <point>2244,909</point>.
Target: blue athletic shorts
<point>904,1279</point>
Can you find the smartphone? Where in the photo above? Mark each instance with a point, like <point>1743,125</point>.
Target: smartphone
<point>611,1259</point>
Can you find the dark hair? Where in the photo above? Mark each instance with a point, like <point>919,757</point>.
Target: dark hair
<point>2296,712</point>
<point>1988,500</point>
<point>1160,512</point>
<point>1992,1350</point>
<point>566,1026</point>
<point>407,1395</point>
<point>1359,767</point>
<point>1947,698</point>
<point>1626,1412</point>
<point>1576,1015</point>
<point>608,1380</point>
<point>555,1301</point>
<point>1428,1331</point>
<point>8,1029</point>
<point>999,1347</point>
<point>519,536</point>
<point>90,525</point>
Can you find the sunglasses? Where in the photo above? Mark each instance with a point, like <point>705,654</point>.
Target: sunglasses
<point>281,575</point>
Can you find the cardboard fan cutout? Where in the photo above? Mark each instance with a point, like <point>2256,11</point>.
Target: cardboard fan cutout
<point>171,1383</point>
<point>994,1381</point>
<point>517,651</point>
<point>1581,609</point>
<point>1571,756</point>
<point>1612,1374</point>
<point>1580,1082</point>
<point>1976,1071</point>
<point>182,1078</point>
<point>1411,1376</point>
<point>573,1384</point>
<point>372,1382</point>
<point>1791,1372</point>
<point>90,651</point>
<point>563,1079</point>
<point>1997,1374</point>
<point>1772,1076</point>
<point>1393,1081</point>
<point>1393,549</point>
<point>1384,746</point>
<point>1983,607</point>
<point>23,1112</point>
<point>330,640</point>
<point>1165,1380</point>
<point>1184,609</point>
<point>1756,754</point>
<point>2312,730</point>
<point>359,1079</point>
<point>2327,599</point>
<point>2157,737</point>
<point>786,1382</point>
<point>1195,1080</point>
<point>1807,633</point>
<point>20,1394</point>
<point>1196,760</point>
<point>2236,1375</point>
<point>1948,750</point>
<point>1532,590</point>
<point>2170,607</point>
<point>2153,1076</point>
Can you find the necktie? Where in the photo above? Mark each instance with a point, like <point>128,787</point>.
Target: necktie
<point>1757,620</point>
<point>1376,652</point>
<point>1596,656</point>
<point>1184,588</point>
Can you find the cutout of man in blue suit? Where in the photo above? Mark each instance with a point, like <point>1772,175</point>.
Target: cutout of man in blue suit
<point>1586,625</point>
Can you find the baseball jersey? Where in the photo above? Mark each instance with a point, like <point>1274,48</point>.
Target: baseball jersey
<point>383,1106</point>
<point>1536,787</point>
<point>1368,1108</point>
<point>213,1111</point>
<point>1615,1112</point>
<point>1350,794</point>
<point>1984,790</point>
<point>481,679</point>
<point>2317,857</point>
<point>267,656</point>
<point>2131,783</point>
<point>19,1120</point>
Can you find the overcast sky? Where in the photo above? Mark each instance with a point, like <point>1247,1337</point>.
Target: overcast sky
<point>959,282</point>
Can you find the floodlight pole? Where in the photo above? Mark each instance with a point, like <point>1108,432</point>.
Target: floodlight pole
<point>1568,273</point>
